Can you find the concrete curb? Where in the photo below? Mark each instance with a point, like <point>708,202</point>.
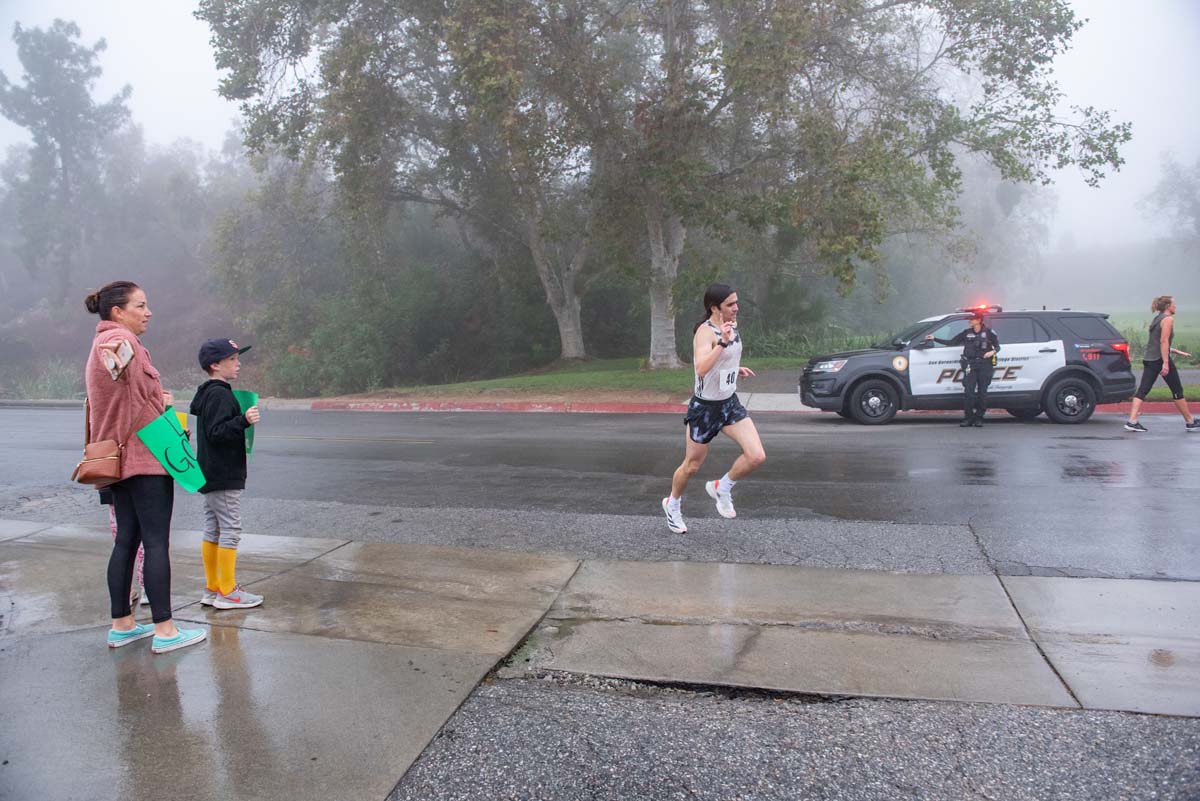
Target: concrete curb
<point>775,405</point>
<point>40,404</point>
<point>558,407</point>
<point>1153,407</point>
<point>287,404</point>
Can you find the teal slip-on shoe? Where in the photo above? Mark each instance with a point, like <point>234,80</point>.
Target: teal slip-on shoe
<point>140,631</point>
<point>185,637</point>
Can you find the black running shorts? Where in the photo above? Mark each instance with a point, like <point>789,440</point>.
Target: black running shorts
<point>705,419</point>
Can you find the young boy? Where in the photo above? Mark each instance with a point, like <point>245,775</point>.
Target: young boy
<point>221,449</point>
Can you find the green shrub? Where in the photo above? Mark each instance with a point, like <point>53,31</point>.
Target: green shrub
<point>56,379</point>
<point>1137,346</point>
<point>804,345</point>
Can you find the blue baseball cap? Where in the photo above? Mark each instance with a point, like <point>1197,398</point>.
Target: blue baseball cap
<point>214,350</point>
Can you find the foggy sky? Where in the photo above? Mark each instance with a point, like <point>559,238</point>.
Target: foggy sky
<point>1140,59</point>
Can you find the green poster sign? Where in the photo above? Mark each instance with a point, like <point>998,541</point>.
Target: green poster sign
<point>246,399</point>
<point>166,440</point>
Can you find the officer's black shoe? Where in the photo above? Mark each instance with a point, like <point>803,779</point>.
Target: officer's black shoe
<point>978,424</point>
<point>966,423</point>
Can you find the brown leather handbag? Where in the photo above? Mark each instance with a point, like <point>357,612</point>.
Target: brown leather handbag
<point>101,462</point>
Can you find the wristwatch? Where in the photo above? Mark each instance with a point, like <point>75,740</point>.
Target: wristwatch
<point>724,344</point>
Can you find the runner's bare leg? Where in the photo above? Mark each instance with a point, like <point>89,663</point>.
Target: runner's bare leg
<point>745,434</point>
<point>693,456</point>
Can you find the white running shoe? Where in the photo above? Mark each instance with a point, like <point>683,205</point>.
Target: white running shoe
<point>724,499</point>
<point>238,598</point>
<point>674,519</point>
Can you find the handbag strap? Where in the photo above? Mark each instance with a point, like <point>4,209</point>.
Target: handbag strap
<point>87,419</point>
<point>134,428</point>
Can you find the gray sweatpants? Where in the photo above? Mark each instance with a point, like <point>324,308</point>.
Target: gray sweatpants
<point>223,518</point>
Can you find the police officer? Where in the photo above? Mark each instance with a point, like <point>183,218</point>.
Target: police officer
<point>980,346</point>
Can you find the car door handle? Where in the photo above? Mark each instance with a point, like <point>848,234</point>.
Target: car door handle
<point>1048,350</point>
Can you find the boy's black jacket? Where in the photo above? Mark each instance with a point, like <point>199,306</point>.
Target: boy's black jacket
<point>220,436</point>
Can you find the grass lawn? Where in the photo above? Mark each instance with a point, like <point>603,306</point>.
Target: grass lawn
<point>1161,393</point>
<point>600,376</point>
<point>1133,324</point>
<point>1187,325</point>
<point>596,378</point>
<point>610,379</point>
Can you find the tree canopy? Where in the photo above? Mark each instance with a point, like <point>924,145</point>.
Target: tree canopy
<point>55,190</point>
<point>840,119</point>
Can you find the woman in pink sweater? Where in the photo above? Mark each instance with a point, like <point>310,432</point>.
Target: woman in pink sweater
<point>144,497</point>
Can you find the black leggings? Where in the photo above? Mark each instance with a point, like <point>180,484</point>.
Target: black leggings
<point>1150,373</point>
<point>143,507</point>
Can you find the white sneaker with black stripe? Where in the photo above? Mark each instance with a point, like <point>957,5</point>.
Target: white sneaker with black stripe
<point>674,518</point>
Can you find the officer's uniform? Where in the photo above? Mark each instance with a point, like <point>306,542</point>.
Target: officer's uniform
<point>977,369</point>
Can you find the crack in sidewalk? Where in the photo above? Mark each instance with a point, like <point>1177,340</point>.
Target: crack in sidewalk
<point>1017,611</point>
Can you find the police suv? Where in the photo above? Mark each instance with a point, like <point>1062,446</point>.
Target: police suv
<point>1059,362</point>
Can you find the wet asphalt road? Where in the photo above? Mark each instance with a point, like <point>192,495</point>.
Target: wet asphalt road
<point>921,495</point>
<point>1012,497</point>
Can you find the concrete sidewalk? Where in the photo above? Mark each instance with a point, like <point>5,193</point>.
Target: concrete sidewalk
<point>362,651</point>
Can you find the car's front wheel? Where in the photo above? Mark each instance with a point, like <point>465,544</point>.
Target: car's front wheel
<point>874,402</point>
<point>1070,400</point>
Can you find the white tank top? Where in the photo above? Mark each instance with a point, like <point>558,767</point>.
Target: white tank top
<point>720,382</point>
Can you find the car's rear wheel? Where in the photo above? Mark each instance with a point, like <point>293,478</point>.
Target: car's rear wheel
<point>1024,414</point>
<point>1070,400</point>
<point>874,402</point>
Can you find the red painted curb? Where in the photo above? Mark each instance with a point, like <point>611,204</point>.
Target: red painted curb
<point>498,406</point>
<point>1153,407</point>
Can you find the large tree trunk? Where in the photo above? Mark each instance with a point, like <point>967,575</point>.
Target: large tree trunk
<point>560,281</point>
<point>667,235</point>
<point>570,327</point>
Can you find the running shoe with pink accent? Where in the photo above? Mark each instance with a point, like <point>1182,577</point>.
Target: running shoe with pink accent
<point>238,598</point>
<point>724,499</point>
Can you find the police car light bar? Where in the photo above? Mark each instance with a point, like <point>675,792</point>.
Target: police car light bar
<point>983,307</point>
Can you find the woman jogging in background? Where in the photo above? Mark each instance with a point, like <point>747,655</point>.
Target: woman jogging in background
<point>1157,361</point>
<point>144,497</point>
<point>716,358</point>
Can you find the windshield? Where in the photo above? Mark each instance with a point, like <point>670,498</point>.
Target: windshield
<point>906,335</point>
